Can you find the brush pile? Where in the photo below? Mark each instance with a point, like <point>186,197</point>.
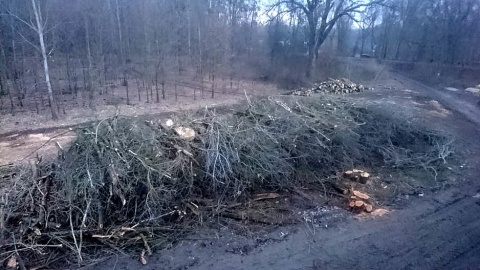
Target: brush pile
<point>332,86</point>
<point>129,183</point>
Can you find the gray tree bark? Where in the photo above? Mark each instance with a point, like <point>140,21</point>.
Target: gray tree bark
<point>40,31</point>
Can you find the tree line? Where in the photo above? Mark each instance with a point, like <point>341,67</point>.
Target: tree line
<point>52,47</point>
<point>444,31</point>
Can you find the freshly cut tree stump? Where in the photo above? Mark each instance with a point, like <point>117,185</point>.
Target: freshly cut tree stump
<point>364,176</point>
<point>357,176</point>
<point>348,174</point>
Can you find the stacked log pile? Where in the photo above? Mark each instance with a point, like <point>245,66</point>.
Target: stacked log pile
<point>357,200</point>
<point>332,86</point>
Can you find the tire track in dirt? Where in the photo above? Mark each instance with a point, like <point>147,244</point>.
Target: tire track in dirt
<point>407,241</point>
<point>467,260</point>
<point>467,109</point>
<point>402,240</point>
<point>445,234</point>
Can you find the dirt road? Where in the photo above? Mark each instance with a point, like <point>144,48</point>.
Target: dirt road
<point>437,232</point>
<point>436,229</point>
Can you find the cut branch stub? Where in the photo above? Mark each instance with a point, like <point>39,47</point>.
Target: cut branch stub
<point>340,188</point>
<point>185,133</point>
<point>265,196</point>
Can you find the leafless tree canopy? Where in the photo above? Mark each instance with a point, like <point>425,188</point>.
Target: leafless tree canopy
<point>80,47</point>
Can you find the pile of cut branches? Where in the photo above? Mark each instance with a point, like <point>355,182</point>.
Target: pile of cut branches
<point>129,183</point>
<point>332,86</point>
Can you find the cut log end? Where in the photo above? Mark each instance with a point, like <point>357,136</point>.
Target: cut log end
<point>360,195</point>
<point>359,203</point>
<point>368,208</point>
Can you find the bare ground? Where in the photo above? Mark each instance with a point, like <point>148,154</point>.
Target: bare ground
<point>26,134</point>
<point>432,229</point>
<point>74,109</point>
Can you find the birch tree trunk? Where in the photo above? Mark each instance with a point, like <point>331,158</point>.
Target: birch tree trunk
<point>40,30</point>
<point>120,36</point>
<point>90,65</point>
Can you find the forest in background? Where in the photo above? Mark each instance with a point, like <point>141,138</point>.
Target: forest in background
<point>53,48</point>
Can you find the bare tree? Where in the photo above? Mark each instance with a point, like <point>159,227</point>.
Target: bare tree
<point>322,15</point>
<point>433,31</point>
<point>366,24</point>
<point>40,29</point>
<point>90,64</point>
